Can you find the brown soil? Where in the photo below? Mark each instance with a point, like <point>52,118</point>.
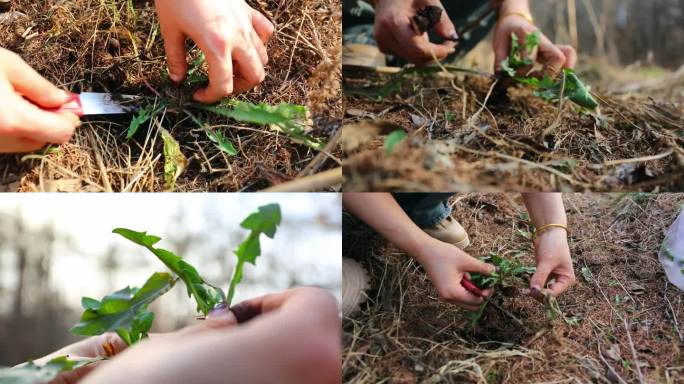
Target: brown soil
<point>104,46</point>
<point>404,334</point>
<point>634,142</point>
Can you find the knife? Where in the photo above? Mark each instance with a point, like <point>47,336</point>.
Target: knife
<point>92,103</point>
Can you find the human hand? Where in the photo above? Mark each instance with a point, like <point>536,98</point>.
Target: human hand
<point>395,36</point>
<point>105,345</point>
<point>447,266</point>
<point>552,57</point>
<point>552,254</point>
<point>304,322</point>
<point>232,36</point>
<point>24,127</point>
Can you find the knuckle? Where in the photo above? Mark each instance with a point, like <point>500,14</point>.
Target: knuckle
<point>448,294</point>
<point>9,125</point>
<point>218,41</point>
<point>226,89</point>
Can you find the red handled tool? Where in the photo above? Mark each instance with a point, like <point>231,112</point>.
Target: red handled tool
<point>471,287</point>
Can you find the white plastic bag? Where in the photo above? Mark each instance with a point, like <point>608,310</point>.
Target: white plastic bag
<point>671,253</point>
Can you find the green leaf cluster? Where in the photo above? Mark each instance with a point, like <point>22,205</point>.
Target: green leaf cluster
<point>265,221</point>
<point>124,311</point>
<point>508,272</point>
<point>30,373</point>
<point>568,86</point>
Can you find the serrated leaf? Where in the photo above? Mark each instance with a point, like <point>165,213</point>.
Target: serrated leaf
<point>393,139</point>
<point>174,161</point>
<point>143,115</point>
<point>30,373</point>
<point>206,295</point>
<point>290,119</point>
<point>264,221</point>
<point>120,309</point>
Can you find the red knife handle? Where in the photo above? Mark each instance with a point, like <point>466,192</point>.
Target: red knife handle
<point>470,286</point>
<point>73,105</point>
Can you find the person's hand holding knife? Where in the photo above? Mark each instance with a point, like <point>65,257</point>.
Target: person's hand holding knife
<point>28,112</point>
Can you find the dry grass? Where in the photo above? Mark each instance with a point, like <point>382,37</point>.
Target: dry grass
<point>406,335</point>
<point>103,45</point>
<point>459,142</point>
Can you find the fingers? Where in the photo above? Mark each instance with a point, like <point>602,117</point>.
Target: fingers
<point>263,27</point>
<point>501,49</point>
<point>220,76</point>
<point>26,81</point>
<point>561,284</point>
<point>217,319</point>
<point>538,280</point>
<point>551,57</point>
<point>260,48</point>
<point>459,295</point>
<point>570,56</point>
<point>25,120</point>
<point>472,264</point>
<point>445,28</point>
<point>19,145</point>
<point>174,45</point>
<point>249,66</point>
<point>398,38</point>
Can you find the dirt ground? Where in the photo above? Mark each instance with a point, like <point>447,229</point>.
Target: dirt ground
<point>115,46</point>
<point>627,311</point>
<point>457,142</point>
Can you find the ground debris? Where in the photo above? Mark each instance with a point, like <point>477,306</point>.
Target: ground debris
<point>632,143</point>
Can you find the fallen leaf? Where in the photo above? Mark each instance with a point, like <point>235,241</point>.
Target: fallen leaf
<point>174,161</point>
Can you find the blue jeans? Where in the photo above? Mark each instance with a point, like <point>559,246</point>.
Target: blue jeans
<point>357,23</point>
<point>425,209</point>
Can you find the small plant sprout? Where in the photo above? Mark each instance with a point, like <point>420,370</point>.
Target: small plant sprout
<point>393,139</point>
<point>264,221</point>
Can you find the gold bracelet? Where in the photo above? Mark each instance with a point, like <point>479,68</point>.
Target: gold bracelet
<point>524,15</point>
<point>547,226</point>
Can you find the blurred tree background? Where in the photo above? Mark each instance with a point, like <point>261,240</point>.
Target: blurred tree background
<point>56,248</point>
<point>622,31</point>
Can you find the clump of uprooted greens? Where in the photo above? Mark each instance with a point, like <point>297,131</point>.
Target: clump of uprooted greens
<point>126,310</point>
<point>567,85</point>
<point>509,273</point>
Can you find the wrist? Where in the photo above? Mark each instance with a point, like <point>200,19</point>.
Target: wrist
<point>423,249</point>
<point>550,232</point>
<point>514,6</point>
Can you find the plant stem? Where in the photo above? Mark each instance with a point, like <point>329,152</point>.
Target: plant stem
<point>233,282</point>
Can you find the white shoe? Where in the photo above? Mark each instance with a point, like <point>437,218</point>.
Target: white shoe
<point>355,283</point>
<point>450,231</point>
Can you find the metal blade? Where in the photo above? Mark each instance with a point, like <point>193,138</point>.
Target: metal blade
<point>104,104</point>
